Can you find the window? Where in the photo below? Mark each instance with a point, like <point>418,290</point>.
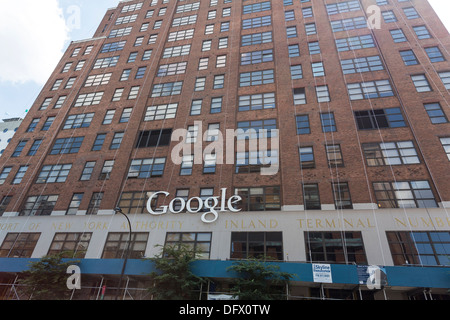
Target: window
<point>259,199</point>
<point>389,16</point>
<point>177,51</point>
<point>196,107</point>
<point>134,91</point>
<point>87,171</point>
<point>146,168</point>
<point>257,101</point>
<point>59,103</point>
<point>185,20</point>
<point>328,122</point>
<point>303,126</point>
<point>390,153</point>
<point>19,175</point>
<point>335,247</point>
<point>291,32</point>
<point>67,145</point>
<point>311,199</point>
<point>256,129</point>
<point>117,243</point>
<point>435,113</point>
<point>48,123</point>
<point>342,7</point>
<point>54,173</point>
<point>446,144</point>
<point>422,32</point>
<point>4,204</point>
<point>200,83</point>
<point>253,161</point>
<point>19,148</point>
<point>398,35</point>
<point>409,58</point>
<point>216,105</point>
<point>213,132</point>
<point>219,81</point>
<point>370,90</point>
<point>75,204</point>
<point>314,47</point>
<point>334,155</point>
<point>200,242</point>
<point>4,174</point>
<point>106,62</point>
<point>411,13</point>
<point>19,245</point>
<point>379,119</point>
<point>256,38</point>
<point>322,94</point>
<point>78,121</point>
<point>421,83</point>
<point>257,245</point>
<point>39,205</point>
<point>256,22</point>
<point>255,57</point>
<point>161,112</point>
<point>296,72</point>
<point>113,46</point>
<point>318,69</point>
<point>117,94</point>
<point>341,194</point>
<point>33,125</point>
<point>76,242</point>
<point>429,248</point>
<point>117,140</point>
<point>256,7</point>
<point>167,89</point>
<point>106,170</point>
<point>404,194</point>
<point>94,204</point>
<point>56,85</point>
<point>172,69</point>
<point>310,28</point>
<point>256,78</point>
<point>98,143</point>
<point>88,99</point>
<point>154,138</point>
<point>445,78</point>
<point>134,202</point>
<point>434,54</point>
<point>299,96</point>
<point>307,157</point>
<point>294,50</point>
<point>138,42</point>
<point>348,24</point>
<point>186,165</point>
<point>355,43</point>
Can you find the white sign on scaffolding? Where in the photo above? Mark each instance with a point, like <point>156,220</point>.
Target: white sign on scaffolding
<point>322,273</point>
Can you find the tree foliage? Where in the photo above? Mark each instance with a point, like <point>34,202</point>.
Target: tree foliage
<point>258,280</point>
<point>174,279</point>
<point>46,279</point>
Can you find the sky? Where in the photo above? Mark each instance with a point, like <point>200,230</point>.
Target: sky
<point>35,37</point>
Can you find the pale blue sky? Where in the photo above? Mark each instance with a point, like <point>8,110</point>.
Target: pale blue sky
<point>19,88</point>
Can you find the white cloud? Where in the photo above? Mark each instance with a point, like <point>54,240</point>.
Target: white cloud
<point>32,34</point>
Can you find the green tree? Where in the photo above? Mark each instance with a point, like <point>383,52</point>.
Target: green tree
<point>46,279</point>
<point>259,280</point>
<point>174,279</point>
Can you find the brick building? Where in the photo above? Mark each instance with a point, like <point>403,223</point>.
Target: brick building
<point>357,91</point>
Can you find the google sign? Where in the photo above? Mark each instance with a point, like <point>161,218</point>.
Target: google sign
<point>207,206</point>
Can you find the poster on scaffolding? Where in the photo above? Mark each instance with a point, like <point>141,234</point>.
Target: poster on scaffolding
<point>322,273</point>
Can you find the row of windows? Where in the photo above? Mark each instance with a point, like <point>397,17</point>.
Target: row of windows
<point>428,248</point>
<point>398,194</point>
